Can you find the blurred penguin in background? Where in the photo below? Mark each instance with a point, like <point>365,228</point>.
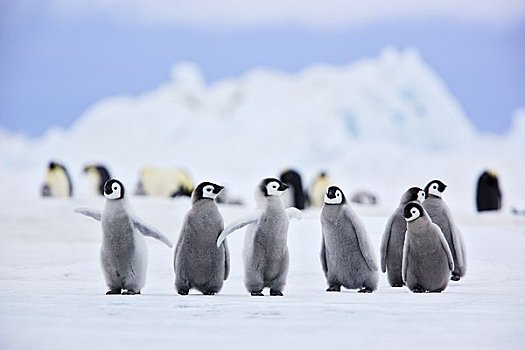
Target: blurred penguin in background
<point>364,197</point>
<point>488,195</point>
<point>97,175</point>
<point>318,189</point>
<point>295,196</point>
<point>57,182</point>
<point>164,182</point>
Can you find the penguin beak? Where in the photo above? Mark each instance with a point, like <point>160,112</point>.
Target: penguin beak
<point>283,187</point>
<point>330,193</point>
<point>218,189</point>
<point>107,189</point>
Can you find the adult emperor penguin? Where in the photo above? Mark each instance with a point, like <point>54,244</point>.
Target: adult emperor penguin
<point>58,182</point>
<point>394,238</point>
<point>347,256</point>
<point>124,255</point>
<point>488,194</point>
<point>297,197</point>
<point>318,189</point>
<point>440,214</point>
<point>265,245</point>
<point>198,262</point>
<point>98,175</point>
<point>427,260</point>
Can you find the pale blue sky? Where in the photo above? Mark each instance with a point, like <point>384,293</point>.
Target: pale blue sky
<point>55,61</point>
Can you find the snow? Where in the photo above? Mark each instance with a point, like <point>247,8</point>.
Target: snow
<point>53,290</point>
<point>382,124</point>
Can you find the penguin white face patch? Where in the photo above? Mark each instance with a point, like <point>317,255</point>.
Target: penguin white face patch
<point>434,190</point>
<point>421,196</point>
<point>273,189</point>
<point>116,193</point>
<point>338,198</point>
<point>414,214</point>
<point>207,192</point>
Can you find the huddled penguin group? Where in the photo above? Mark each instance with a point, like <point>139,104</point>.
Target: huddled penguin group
<point>421,247</point>
<point>427,250</point>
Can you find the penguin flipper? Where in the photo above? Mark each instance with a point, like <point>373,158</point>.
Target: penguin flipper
<point>238,224</point>
<point>324,264</point>
<point>95,214</point>
<point>406,249</point>
<point>445,246</point>
<point>151,232</point>
<point>294,213</point>
<point>226,260</point>
<point>360,232</point>
<point>458,246</point>
<point>384,242</point>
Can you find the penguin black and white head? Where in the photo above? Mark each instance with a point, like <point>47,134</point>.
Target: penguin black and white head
<point>334,196</point>
<point>272,187</point>
<point>435,188</point>
<point>114,189</point>
<point>206,190</point>
<point>413,211</point>
<point>413,194</point>
<point>98,175</point>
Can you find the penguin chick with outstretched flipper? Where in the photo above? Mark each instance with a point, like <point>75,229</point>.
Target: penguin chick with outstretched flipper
<point>427,260</point>
<point>124,255</point>
<point>394,238</point>
<point>265,253</point>
<point>346,254</point>
<point>441,215</point>
<point>199,263</point>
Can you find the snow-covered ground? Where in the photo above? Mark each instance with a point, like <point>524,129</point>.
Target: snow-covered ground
<point>52,290</point>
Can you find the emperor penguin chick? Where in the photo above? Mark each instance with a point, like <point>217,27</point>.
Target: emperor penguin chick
<point>199,263</point>
<point>394,238</point>
<point>441,215</point>
<point>347,256</point>
<point>124,255</point>
<point>265,253</point>
<point>427,260</point>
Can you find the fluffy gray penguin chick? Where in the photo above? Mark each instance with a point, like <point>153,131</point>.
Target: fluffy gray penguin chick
<point>347,256</point>
<point>124,255</point>
<point>265,252</point>
<point>199,263</point>
<point>427,260</point>
<point>394,238</point>
<point>441,215</point>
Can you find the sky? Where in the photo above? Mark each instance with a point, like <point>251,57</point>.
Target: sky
<point>59,57</point>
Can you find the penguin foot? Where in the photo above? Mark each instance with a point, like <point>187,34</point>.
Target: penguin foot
<point>113,291</point>
<point>183,291</point>
<point>455,278</point>
<point>334,289</point>
<point>397,285</point>
<point>418,290</point>
<point>365,290</point>
<point>208,293</point>
<point>257,294</point>
<point>276,293</point>
<point>130,292</point>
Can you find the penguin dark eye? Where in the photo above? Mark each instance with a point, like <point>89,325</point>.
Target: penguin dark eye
<point>114,188</point>
<point>274,186</point>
